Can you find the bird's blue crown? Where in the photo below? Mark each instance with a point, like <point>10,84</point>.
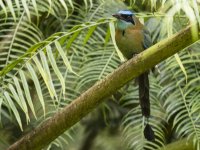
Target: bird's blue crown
<point>125,12</point>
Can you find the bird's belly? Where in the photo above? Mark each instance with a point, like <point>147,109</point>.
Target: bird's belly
<point>129,45</point>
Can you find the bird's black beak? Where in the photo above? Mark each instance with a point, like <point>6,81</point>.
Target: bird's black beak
<point>116,16</point>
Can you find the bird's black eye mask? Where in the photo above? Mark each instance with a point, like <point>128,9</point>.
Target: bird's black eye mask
<point>128,18</point>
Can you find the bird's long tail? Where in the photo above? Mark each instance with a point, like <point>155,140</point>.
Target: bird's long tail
<point>143,81</point>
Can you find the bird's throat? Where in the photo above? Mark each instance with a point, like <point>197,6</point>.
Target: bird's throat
<point>123,25</point>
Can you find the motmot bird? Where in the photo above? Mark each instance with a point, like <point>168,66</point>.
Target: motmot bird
<point>132,38</point>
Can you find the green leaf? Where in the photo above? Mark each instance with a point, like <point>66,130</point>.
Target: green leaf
<point>10,6</point>
<point>65,6</point>
<point>90,31</point>
<point>27,10</point>
<point>37,85</point>
<point>181,66</point>
<point>36,9</point>
<point>55,68</point>
<point>71,4</point>
<point>112,31</point>
<point>27,92</point>
<point>73,37</point>
<point>18,6</point>
<point>44,76</point>
<point>63,56</point>
<point>50,7</point>
<point>21,98</point>
<point>47,74</point>
<point>4,9</point>
<point>13,108</point>
<point>107,38</point>
<point>1,101</point>
<point>20,102</point>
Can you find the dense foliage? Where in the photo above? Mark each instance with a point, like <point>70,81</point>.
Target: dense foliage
<point>53,50</point>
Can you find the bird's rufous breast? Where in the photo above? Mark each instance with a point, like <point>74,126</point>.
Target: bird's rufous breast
<point>130,41</point>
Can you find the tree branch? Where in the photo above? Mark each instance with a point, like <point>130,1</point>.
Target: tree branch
<point>184,144</point>
<point>85,103</point>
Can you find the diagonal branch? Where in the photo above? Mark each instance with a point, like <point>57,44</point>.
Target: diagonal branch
<point>74,112</point>
<point>183,144</point>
